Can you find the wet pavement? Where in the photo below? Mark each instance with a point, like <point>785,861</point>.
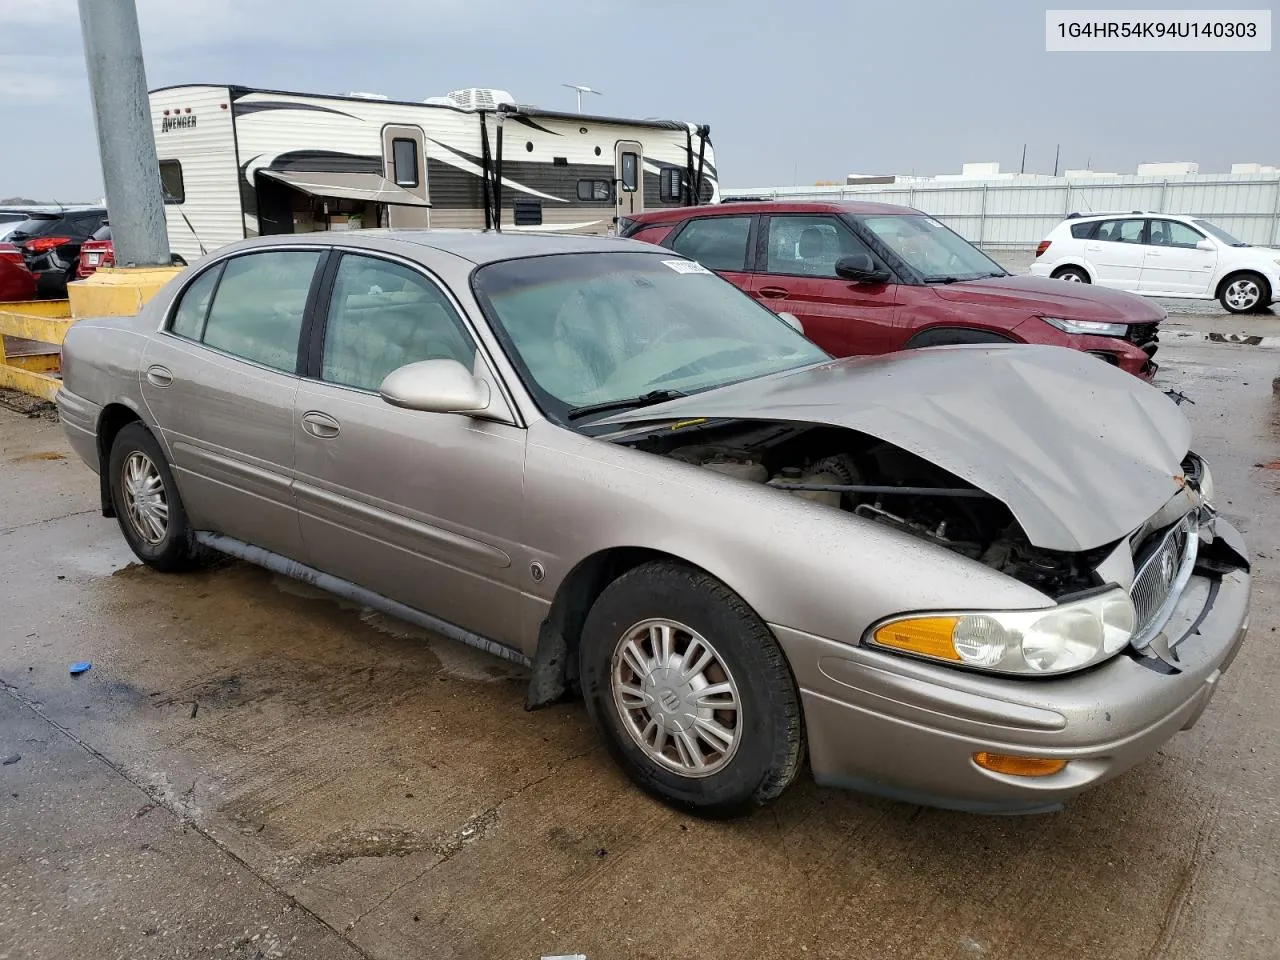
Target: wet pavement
<point>251,769</point>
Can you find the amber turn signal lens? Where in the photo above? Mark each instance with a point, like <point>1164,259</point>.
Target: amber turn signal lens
<point>1019,766</point>
<point>930,636</point>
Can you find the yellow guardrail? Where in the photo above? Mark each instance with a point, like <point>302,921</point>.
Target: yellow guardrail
<point>31,331</point>
<point>31,335</point>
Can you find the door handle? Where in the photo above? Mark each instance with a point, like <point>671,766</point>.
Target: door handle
<point>320,425</point>
<point>773,293</point>
<point>159,376</point>
<point>1152,253</point>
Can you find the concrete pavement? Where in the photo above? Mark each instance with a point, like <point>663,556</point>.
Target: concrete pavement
<point>248,757</point>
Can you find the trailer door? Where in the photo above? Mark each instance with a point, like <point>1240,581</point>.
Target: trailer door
<point>404,152</point>
<point>629,178</point>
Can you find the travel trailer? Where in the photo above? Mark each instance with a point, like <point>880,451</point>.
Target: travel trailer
<point>238,162</point>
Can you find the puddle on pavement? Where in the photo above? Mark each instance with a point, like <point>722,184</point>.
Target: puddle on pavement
<point>457,660</point>
<point>113,556</point>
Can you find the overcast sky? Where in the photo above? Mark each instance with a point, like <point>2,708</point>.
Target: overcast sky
<point>794,90</point>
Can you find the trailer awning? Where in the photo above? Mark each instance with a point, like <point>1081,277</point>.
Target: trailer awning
<point>347,186</point>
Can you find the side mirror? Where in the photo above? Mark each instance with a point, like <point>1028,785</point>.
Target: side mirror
<point>1205,245</point>
<point>435,386</point>
<point>792,321</point>
<point>860,268</point>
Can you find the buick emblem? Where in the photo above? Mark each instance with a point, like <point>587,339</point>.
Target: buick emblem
<point>1167,569</point>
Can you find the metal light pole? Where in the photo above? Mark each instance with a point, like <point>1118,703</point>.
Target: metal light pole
<point>122,114</point>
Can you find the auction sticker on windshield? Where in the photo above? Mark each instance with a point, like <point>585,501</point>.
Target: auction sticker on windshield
<point>685,266</point>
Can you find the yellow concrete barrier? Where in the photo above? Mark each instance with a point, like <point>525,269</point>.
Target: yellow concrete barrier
<point>117,291</point>
<point>31,331</point>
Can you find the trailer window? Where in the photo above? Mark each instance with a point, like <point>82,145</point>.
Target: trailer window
<point>171,181</point>
<point>595,190</point>
<point>671,184</point>
<point>630,172</point>
<point>404,161</point>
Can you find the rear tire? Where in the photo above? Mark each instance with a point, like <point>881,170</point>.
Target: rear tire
<point>1244,293</point>
<point>655,639</point>
<point>147,504</point>
<point>1071,275</point>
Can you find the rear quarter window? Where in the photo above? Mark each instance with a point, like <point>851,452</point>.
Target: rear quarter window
<point>1084,231</point>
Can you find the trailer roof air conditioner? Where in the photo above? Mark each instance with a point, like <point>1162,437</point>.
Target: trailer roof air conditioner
<point>480,98</point>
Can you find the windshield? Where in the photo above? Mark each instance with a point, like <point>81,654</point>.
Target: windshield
<point>599,328</point>
<point>1216,231</point>
<point>935,252</point>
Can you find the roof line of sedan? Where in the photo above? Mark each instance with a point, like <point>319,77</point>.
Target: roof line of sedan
<point>490,246</point>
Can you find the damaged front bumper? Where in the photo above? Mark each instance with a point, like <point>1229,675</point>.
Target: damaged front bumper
<point>909,729</point>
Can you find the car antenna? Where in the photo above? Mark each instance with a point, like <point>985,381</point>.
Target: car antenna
<point>199,242</point>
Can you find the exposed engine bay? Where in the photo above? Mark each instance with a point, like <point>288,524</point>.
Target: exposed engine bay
<point>884,484</point>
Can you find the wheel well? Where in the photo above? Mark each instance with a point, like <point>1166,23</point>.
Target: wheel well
<point>555,662</point>
<point>1074,267</point>
<point>114,418</point>
<point>1237,274</point>
<point>949,336</point>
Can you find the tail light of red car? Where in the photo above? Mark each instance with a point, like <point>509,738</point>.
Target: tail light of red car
<point>101,251</point>
<point>45,244</point>
<point>11,254</point>
<point>1042,247</point>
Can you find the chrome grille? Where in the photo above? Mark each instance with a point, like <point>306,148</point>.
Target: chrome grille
<point>1161,577</point>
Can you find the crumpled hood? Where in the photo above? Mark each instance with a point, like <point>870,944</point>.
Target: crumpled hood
<point>1054,298</point>
<point>1081,452</point>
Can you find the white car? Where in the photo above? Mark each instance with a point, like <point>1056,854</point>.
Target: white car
<point>1161,255</point>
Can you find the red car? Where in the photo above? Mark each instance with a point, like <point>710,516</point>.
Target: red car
<point>16,281</point>
<point>98,251</point>
<point>866,278</point>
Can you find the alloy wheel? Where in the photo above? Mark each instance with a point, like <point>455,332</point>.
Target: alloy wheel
<point>144,498</point>
<point>676,697</point>
<point>1243,294</point>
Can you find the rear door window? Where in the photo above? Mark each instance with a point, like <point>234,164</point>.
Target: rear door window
<point>259,305</point>
<point>718,243</point>
<point>1120,231</point>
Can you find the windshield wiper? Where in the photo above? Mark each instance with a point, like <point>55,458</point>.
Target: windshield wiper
<point>629,403</point>
<point>941,279</point>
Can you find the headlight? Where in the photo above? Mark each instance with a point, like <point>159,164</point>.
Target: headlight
<point>1206,484</point>
<point>1094,327</point>
<point>1040,642</point>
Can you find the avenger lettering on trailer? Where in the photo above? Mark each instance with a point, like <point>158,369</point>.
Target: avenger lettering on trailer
<point>177,123</point>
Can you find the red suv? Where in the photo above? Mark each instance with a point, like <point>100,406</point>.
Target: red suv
<point>867,278</point>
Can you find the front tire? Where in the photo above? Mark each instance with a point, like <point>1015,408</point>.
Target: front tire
<point>147,504</point>
<point>690,691</point>
<point>1244,293</point>
<point>1071,275</point>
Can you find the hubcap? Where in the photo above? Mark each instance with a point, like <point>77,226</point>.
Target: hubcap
<point>1243,294</point>
<point>144,499</point>
<point>1071,278</point>
<point>676,697</point>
